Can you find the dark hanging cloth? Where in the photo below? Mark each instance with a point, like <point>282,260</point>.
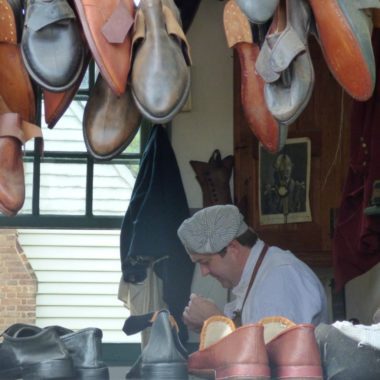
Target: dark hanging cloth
<point>149,230</point>
<point>188,9</point>
<point>356,244</point>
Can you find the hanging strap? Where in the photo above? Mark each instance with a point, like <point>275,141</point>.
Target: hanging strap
<point>238,313</point>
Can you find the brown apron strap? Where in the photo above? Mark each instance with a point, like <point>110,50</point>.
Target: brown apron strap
<point>237,313</point>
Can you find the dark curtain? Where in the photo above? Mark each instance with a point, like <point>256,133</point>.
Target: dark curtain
<point>149,230</point>
<point>356,244</point>
<point>188,9</point>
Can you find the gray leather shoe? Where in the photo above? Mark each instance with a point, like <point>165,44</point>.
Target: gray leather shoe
<point>164,357</point>
<point>258,11</point>
<point>33,354</point>
<point>85,349</point>
<point>51,46</point>
<point>160,73</point>
<point>284,62</point>
<point>344,357</point>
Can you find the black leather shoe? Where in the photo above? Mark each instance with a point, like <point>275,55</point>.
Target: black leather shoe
<point>85,349</point>
<point>33,355</point>
<point>51,45</point>
<point>164,357</point>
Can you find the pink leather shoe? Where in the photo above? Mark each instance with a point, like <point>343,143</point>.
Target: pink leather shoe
<point>229,353</point>
<point>292,349</point>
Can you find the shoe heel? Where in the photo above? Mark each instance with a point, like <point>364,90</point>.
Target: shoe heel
<point>164,371</point>
<point>243,372</point>
<point>53,369</point>
<point>92,374</point>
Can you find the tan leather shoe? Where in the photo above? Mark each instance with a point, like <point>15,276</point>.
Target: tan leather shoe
<point>106,25</point>
<point>265,127</point>
<point>13,133</point>
<point>229,353</point>
<point>344,33</point>
<point>15,85</point>
<point>292,349</point>
<point>110,122</point>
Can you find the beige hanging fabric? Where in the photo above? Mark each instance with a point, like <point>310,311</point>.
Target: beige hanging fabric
<point>143,298</point>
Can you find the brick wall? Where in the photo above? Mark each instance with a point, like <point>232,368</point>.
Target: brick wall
<point>18,283</point>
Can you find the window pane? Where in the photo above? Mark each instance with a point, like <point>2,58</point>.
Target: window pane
<point>67,134</point>
<point>28,174</point>
<point>63,189</point>
<point>113,186</point>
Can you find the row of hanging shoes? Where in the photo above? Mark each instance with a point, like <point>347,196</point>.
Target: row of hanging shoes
<point>277,71</point>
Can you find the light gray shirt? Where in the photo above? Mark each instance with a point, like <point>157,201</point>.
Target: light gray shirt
<point>284,286</point>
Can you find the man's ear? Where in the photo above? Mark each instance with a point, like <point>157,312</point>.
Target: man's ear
<point>235,245</point>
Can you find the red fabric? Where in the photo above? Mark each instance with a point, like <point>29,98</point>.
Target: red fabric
<point>356,245</point>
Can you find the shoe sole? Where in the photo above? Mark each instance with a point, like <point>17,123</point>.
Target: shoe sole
<point>164,371</point>
<point>101,373</point>
<point>54,369</point>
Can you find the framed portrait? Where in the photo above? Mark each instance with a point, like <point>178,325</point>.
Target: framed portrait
<point>284,183</point>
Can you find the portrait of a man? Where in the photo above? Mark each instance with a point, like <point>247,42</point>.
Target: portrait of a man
<point>284,183</point>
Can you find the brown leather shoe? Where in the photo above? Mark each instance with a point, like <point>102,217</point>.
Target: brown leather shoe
<point>13,133</point>
<point>106,25</point>
<point>265,127</point>
<point>56,103</point>
<point>15,85</point>
<point>292,349</point>
<point>110,122</point>
<point>229,353</point>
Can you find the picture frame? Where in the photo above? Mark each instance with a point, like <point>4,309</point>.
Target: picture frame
<point>284,183</point>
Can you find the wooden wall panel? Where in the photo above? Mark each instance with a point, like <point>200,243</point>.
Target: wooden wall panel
<point>325,121</point>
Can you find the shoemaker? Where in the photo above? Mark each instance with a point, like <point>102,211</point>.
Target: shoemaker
<point>264,281</point>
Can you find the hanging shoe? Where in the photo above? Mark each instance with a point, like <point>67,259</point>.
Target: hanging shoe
<point>51,46</point>
<point>344,34</point>
<point>160,73</point>
<point>284,62</point>
<point>107,26</point>
<point>15,85</point>
<point>110,122</point>
<point>14,132</point>
<point>258,11</point>
<point>265,127</point>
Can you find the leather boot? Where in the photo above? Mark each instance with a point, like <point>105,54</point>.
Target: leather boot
<point>13,133</point>
<point>214,179</point>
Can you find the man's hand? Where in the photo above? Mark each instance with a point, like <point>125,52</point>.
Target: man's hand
<point>197,311</point>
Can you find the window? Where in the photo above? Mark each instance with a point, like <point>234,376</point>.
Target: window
<point>67,187</point>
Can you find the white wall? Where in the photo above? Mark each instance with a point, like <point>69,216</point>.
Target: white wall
<point>209,124</point>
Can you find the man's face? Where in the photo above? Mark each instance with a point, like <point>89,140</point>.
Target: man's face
<point>220,266</point>
<point>284,168</point>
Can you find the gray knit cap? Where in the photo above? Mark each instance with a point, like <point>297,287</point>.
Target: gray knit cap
<point>211,229</point>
